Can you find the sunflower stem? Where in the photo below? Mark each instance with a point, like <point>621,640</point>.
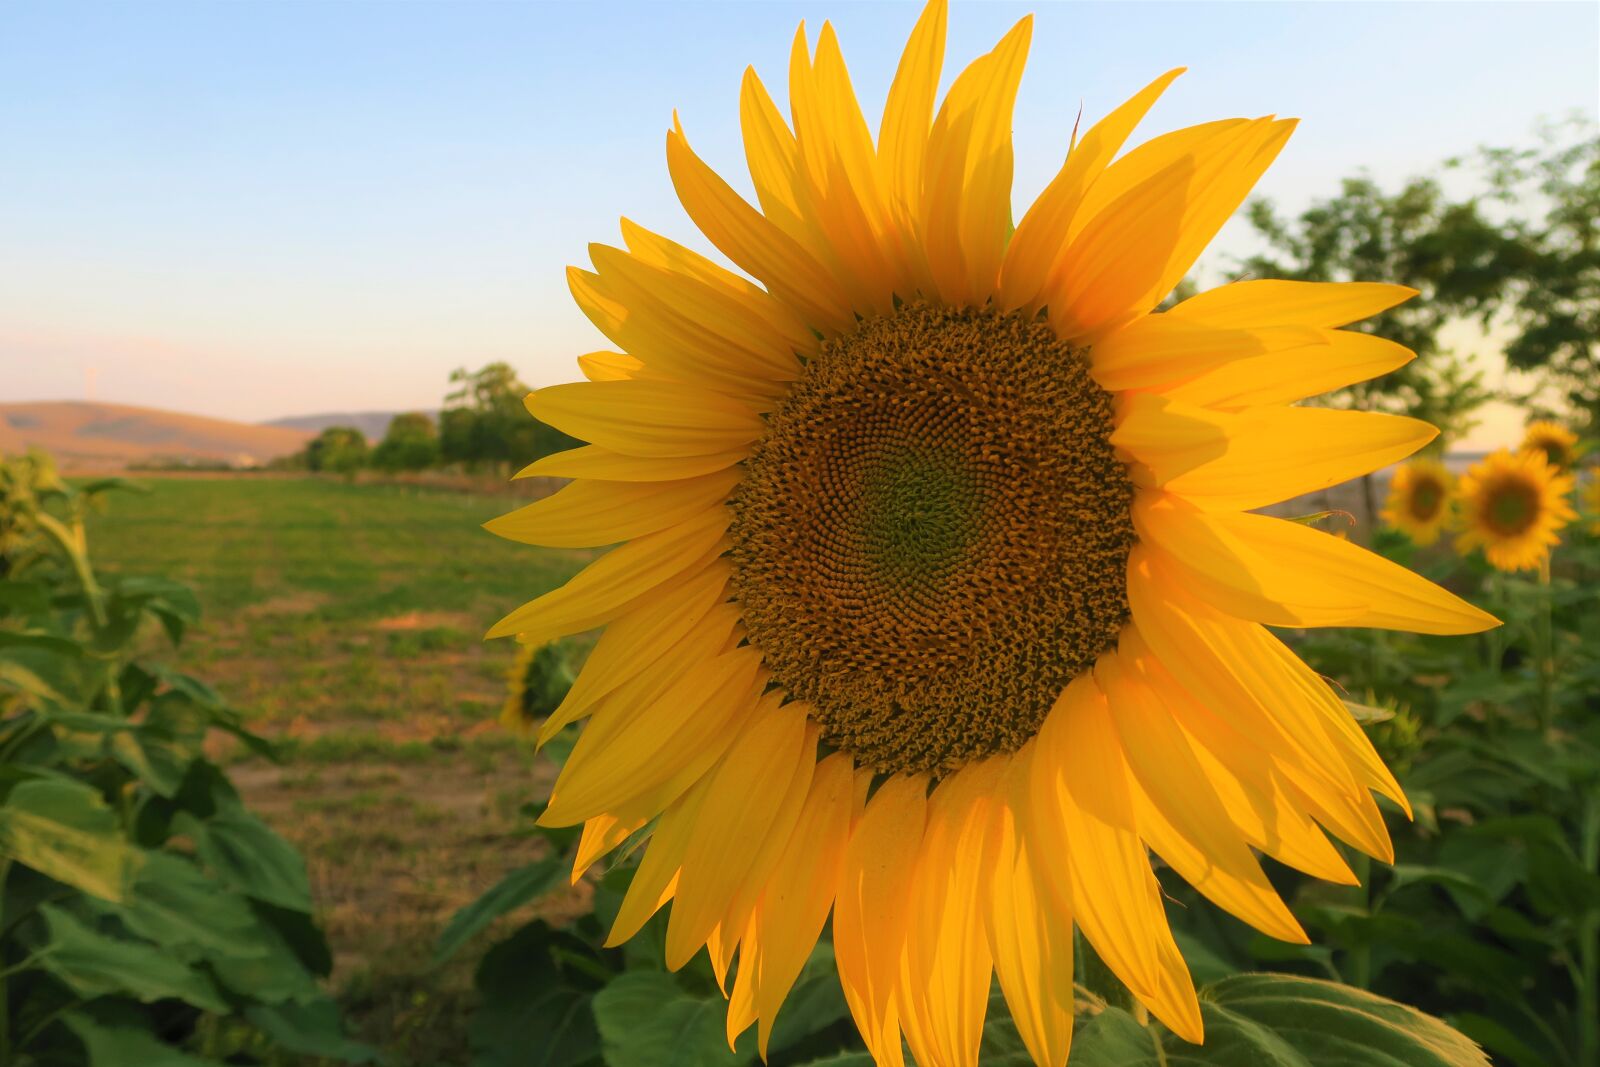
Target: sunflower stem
<point>1360,974</point>
<point>1546,651</point>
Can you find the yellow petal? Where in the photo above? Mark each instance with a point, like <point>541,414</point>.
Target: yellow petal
<point>1030,938</point>
<point>604,589</point>
<point>1158,350</point>
<point>1112,271</point>
<point>1245,776</point>
<point>1269,302</point>
<point>966,207</point>
<point>758,246</point>
<point>744,799</point>
<point>870,915</point>
<point>610,366</point>
<point>646,418</point>
<point>1248,459</point>
<point>657,876</point>
<point>600,835</point>
<point>1285,375</point>
<point>589,514</point>
<point>946,967</point>
<point>1081,781</point>
<point>670,744</point>
<point>1285,573</point>
<point>592,461</point>
<point>1178,811</point>
<point>638,640</point>
<point>1042,234</point>
<point>1229,669</point>
<point>800,889</point>
<point>908,110</point>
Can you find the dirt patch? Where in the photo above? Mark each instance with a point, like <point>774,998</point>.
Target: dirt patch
<point>425,620</point>
<point>300,602</point>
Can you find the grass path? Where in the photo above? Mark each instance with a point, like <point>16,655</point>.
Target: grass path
<point>345,622</point>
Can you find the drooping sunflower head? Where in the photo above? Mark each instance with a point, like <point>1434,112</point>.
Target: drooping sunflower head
<point>1558,444</point>
<point>1421,499</point>
<point>1514,507</point>
<point>536,683</point>
<point>938,595</point>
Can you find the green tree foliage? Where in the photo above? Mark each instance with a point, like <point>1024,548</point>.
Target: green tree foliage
<point>338,450</point>
<point>1552,194</point>
<point>410,444</point>
<point>484,421</point>
<point>141,904</point>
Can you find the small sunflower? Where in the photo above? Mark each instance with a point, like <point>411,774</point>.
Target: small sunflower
<point>1558,444</point>
<point>942,597</point>
<point>1420,500</point>
<point>535,686</point>
<point>1513,507</point>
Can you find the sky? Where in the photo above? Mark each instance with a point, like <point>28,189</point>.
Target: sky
<point>255,209</point>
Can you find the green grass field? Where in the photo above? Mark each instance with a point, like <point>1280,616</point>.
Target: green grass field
<point>345,622</point>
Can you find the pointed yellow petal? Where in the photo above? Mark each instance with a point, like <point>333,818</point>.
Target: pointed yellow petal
<point>600,835</point>
<point>1030,938</point>
<point>677,738</point>
<point>657,877</point>
<point>645,418</point>
<point>800,889</point>
<point>1285,573</point>
<point>610,366</point>
<point>1244,775</point>
<point>592,461</point>
<point>870,915</point>
<point>1178,811</point>
<point>1158,350</point>
<point>746,793</point>
<point>755,244</point>
<point>1113,270</point>
<point>1288,374</point>
<point>908,110</point>
<point>966,210</point>
<point>604,589</point>
<point>1082,782</point>
<point>588,514</point>
<point>1268,302</point>
<point>1042,234</point>
<point>1242,460</point>
<point>643,651</point>
<point>946,967</point>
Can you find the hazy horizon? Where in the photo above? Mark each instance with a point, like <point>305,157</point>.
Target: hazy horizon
<point>263,210</point>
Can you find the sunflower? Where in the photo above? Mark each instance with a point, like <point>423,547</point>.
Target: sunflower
<point>1558,444</point>
<point>937,595</point>
<point>1513,507</point>
<point>1591,501</point>
<point>536,683</point>
<point>1420,500</point>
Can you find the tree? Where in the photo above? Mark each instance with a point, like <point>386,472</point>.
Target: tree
<point>338,449</point>
<point>484,421</point>
<point>411,443</point>
<point>1553,299</point>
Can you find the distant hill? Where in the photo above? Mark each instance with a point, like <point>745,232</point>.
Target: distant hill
<point>84,435</point>
<point>374,424</point>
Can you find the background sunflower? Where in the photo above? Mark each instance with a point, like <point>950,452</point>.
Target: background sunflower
<point>1514,507</point>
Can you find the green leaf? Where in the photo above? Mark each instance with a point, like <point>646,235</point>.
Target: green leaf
<point>93,963</point>
<point>125,1042</point>
<point>1279,1020</point>
<point>647,1019</point>
<point>63,829</point>
<point>175,905</point>
<point>24,598</point>
<point>815,1003</point>
<point>844,1059</point>
<point>512,891</point>
<point>538,981</point>
<point>312,1029</point>
<point>247,855</point>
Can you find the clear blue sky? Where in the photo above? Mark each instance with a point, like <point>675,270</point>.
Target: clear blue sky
<point>256,209</point>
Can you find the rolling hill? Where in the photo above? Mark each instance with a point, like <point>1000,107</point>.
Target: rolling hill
<point>83,435</point>
<point>374,424</point>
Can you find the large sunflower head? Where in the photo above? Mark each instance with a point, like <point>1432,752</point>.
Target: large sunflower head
<point>1558,444</point>
<point>1513,507</point>
<point>942,597</point>
<point>1420,500</point>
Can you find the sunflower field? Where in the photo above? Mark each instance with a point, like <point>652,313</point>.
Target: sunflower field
<point>954,638</point>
